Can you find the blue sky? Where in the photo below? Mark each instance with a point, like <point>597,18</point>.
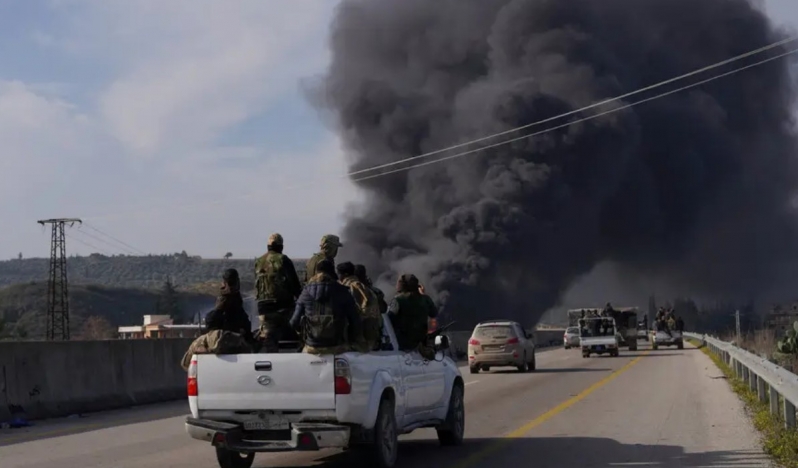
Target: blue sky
<point>171,125</point>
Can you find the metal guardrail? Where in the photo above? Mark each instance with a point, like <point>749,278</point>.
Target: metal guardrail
<point>771,382</point>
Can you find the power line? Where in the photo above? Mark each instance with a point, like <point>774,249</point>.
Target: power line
<point>115,247</point>
<point>99,250</point>
<point>584,119</point>
<point>546,120</point>
<point>581,109</point>
<point>114,239</point>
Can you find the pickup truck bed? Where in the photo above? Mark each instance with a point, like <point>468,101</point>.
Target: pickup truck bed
<point>249,403</point>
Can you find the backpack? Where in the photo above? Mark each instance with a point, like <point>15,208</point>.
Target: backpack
<point>319,325</point>
<point>272,282</point>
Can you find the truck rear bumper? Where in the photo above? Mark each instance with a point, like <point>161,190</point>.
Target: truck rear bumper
<point>304,436</point>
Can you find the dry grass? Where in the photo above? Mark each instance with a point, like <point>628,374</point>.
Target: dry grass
<point>779,442</point>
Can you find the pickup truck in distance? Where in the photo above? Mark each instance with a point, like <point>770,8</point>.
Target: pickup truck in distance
<point>245,404</point>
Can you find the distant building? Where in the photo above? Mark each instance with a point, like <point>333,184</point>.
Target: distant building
<point>159,326</point>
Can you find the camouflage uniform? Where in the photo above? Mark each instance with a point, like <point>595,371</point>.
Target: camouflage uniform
<point>275,302</point>
<point>410,311</point>
<point>369,307</point>
<point>327,314</point>
<point>216,342</point>
<point>329,250</point>
<point>360,273</point>
<point>340,349</point>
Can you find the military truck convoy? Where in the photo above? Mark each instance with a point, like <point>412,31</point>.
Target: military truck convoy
<point>625,322</point>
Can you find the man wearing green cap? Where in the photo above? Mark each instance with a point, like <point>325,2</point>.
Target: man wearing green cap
<point>277,286</point>
<point>329,245</point>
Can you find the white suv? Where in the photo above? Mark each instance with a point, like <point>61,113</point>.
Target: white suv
<point>501,343</point>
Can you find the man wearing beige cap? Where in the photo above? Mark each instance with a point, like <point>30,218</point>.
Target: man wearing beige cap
<point>277,286</point>
<point>329,245</point>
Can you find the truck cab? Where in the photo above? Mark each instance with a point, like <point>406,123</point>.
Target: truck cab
<point>245,404</point>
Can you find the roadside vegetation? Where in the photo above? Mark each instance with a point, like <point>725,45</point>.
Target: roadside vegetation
<point>778,441</point>
<point>94,309</point>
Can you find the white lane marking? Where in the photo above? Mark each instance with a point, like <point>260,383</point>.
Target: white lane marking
<point>472,382</point>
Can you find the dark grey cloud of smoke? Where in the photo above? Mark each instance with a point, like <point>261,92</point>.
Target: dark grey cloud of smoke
<point>693,189</point>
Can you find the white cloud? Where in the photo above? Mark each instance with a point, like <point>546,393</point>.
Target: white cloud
<point>172,78</point>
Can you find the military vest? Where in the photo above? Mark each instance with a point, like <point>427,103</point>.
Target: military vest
<point>319,326</point>
<point>366,299</point>
<point>271,281</point>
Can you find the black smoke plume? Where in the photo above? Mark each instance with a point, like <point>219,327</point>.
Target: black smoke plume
<point>693,189</point>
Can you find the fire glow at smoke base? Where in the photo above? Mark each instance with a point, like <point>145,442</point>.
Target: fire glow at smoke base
<point>693,188</point>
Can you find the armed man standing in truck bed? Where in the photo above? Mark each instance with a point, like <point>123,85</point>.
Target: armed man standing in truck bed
<point>329,246</point>
<point>409,312</point>
<point>278,287</point>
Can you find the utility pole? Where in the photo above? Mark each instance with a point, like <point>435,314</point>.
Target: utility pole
<point>57,284</point>
<point>737,325</point>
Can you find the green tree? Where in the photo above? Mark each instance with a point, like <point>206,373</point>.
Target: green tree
<point>167,301</point>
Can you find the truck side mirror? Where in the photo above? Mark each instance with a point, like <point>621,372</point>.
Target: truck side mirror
<point>441,342</point>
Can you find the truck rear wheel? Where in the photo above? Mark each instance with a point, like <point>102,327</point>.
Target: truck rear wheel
<point>452,430</point>
<point>230,459</point>
<point>386,436</point>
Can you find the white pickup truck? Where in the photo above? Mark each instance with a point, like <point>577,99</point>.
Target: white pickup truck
<point>249,403</point>
<point>599,336</point>
<point>663,338</point>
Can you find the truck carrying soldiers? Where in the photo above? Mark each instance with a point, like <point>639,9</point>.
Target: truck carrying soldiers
<point>327,388</point>
<point>625,321</point>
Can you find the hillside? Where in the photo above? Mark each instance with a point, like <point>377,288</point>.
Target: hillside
<point>133,272</point>
<point>23,306</point>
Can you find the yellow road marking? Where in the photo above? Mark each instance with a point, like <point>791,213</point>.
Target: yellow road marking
<point>498,445</point>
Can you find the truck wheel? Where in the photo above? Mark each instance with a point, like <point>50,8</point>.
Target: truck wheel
<point>474,369</point>
<point>230,459</point>
<point>452,430</point>
<point>386,441</point>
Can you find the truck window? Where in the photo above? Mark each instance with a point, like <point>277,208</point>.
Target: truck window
<point>494,332</point>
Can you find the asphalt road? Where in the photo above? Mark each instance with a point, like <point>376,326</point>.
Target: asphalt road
<point>665,408</point>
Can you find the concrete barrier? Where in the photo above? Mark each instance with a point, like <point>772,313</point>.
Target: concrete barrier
<point>52,379</point>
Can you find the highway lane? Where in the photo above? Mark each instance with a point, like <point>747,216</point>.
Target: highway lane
<point>664,408</point>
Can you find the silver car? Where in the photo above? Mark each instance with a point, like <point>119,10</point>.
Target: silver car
<point>501,343</point>
<point>571,337</point>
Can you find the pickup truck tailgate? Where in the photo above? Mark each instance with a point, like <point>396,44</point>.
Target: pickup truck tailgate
<point>265,382</point>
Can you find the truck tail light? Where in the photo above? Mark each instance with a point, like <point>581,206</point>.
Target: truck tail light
<point>512,341</point>
<point>343,377</point>
<point>473,342</point>
<point>193,387</point>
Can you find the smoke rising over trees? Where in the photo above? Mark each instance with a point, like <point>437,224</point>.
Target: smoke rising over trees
<point>693,189</point>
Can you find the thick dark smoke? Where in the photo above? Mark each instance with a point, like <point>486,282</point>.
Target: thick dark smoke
<point>694,189</point>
